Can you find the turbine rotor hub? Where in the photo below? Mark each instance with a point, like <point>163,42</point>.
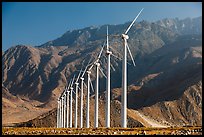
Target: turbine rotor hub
<point>108,52</point>
<point>89,72</point>
<point>82,78</point>
<point>98,64</point>
<point>124,36</point>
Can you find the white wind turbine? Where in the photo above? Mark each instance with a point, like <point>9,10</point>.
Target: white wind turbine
<point>58,112</point>
<point>108,53</point>
<point>124,74</point>
<point>76,98</point>
<point>87,98</point>
<point>64,108</point>
<point>67,107</point>
<point>97,63</point>
<point>81,101</point>
<point>88,95</point>
<point>108,81</point>
<point>61,110</point>
<point>70,106</point>
<point>67,110</point>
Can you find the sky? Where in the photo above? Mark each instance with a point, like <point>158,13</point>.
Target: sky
<point>35,23</point>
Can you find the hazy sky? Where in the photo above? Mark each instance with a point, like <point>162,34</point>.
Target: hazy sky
<point>34,23</point>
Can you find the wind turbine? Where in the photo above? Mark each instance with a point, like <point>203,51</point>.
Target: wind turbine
<point>124,74</point>
<point>88,94</point>
<point>108,53</point>
<point>97,63</point>
<point>70,107</point>
<point>68,91</point>
<point>58,112</point>
<point>76,98</point>
<point>62,114</point>
<point>61,110</point>
<point>67,107</point>
<point>81,101</point>
<point>64,109</point>
<point>87,98</point>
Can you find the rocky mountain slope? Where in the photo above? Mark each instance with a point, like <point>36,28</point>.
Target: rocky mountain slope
<point>169,68</point>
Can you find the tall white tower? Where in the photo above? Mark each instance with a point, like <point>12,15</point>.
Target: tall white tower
<point>108,53</point>
<point>125,37</point>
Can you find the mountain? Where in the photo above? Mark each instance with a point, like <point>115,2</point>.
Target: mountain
<point>172,84</point>
<point>35,76</point>
<point>185,26</point>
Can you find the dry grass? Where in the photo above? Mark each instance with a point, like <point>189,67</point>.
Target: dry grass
<point>103,131</point>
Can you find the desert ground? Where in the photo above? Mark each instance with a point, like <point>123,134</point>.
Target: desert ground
<point>104,131</point>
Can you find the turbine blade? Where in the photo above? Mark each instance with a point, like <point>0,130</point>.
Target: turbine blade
<point>86,68</point>
<point>116,57</point>
<point>91,66</point>
<point>72,80</point>
<point>91,86</point>
<point>131,55</point>
<point>85,84</point>
<point>112,67</point>
<point>114,50</point>
<point>69,83</point>
<point>120,59</point>
<point>101,51</point>
<point>74,92</point>
<point>133,21</point>
<point>79,88</point>
<point>102,72</point>
<point>107,45</point>
<point>96,59</point>
<point>78,75</point>
<point>80,70</point>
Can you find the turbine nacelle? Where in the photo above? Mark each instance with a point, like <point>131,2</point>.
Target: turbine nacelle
<point>108,52</point>
<point>124,36</point>
<point>96,61</point>
<point>82,78</point>
<point>89,72</point>
<point>97,64</point>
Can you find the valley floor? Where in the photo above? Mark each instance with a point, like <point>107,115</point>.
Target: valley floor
<point>103,131</point>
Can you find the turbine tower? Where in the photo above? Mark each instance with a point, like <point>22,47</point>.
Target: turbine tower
<point>87,98</point>
<point>70,107</point>
<point>67,110</point>
<point>76,98</point>
<point>124,74</point>
<point>81,96</point>
<point>58,112</point>
<point>64,109</point>
<point>97,63</point>
<point>68,91</point>
<point>108,53</point>
<point>61,110</point>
